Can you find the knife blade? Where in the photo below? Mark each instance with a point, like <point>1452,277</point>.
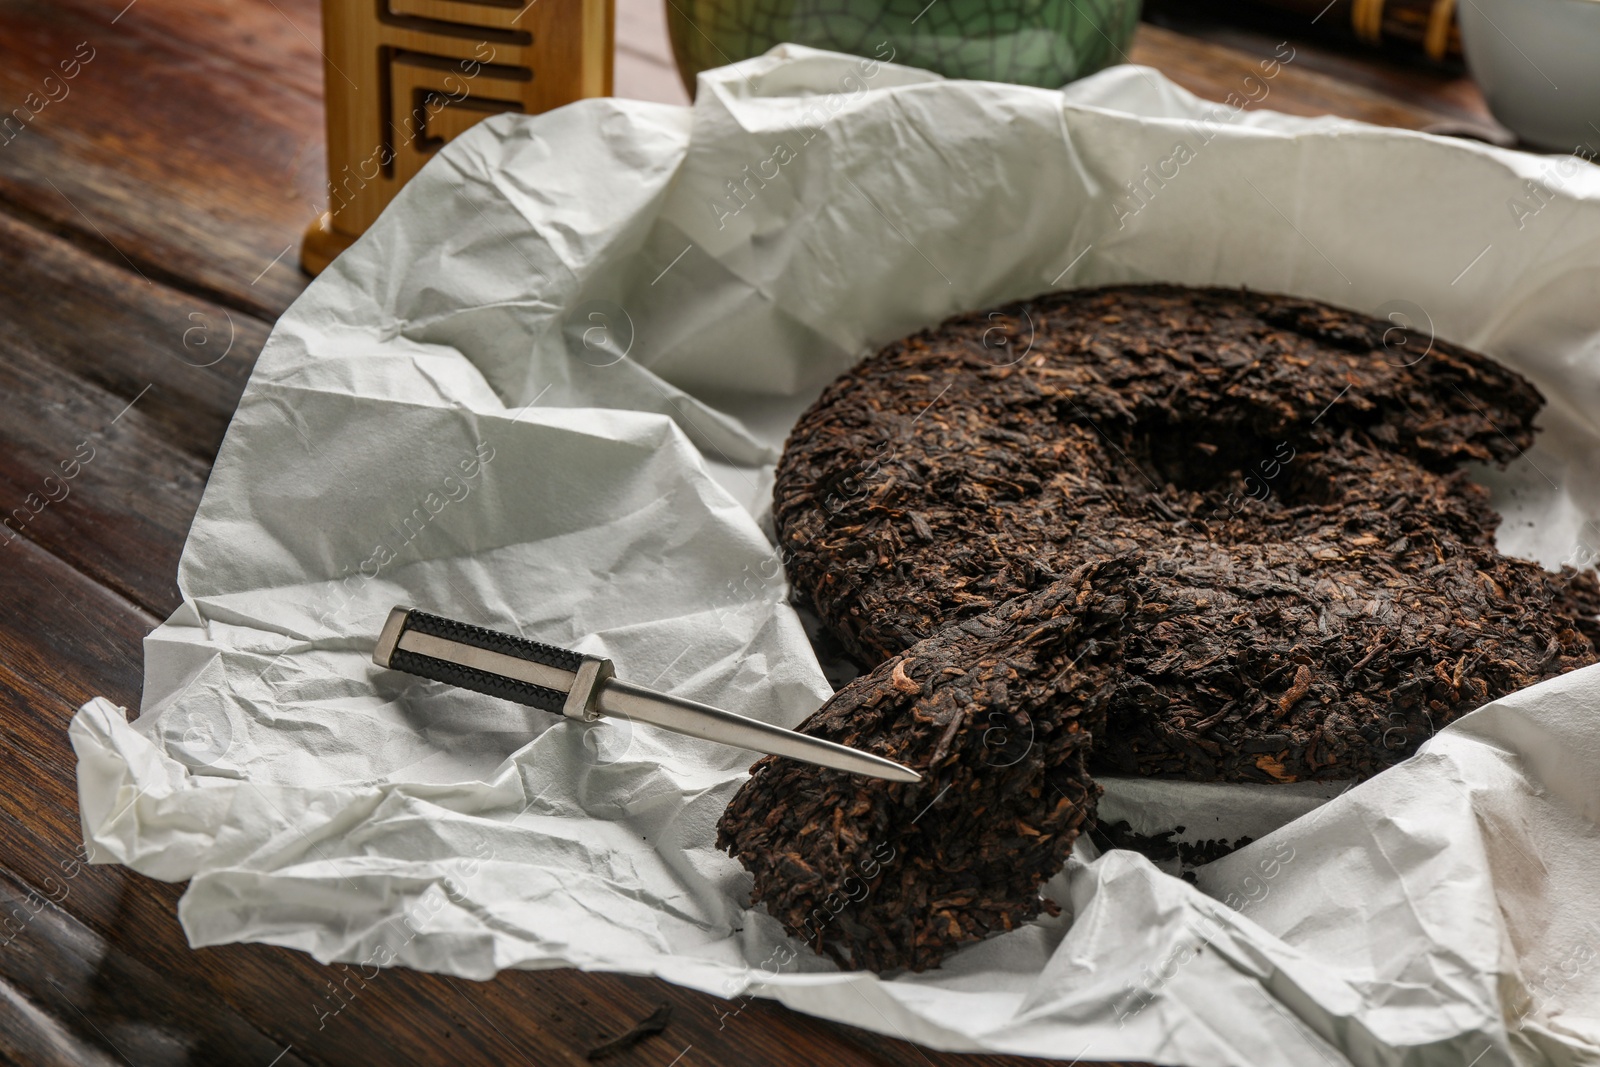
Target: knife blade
<point>585,688</point>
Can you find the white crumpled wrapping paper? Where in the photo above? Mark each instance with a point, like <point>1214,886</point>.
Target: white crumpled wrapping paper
<point>544,393</point>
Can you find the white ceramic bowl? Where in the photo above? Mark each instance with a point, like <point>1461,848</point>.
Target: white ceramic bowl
<point>1538,64</point>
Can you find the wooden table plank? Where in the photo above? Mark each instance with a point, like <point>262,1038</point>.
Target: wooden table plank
<point>161,154</point>
<point>1215,71</point>
<point>124,383</point>
<point>1444,90</point>
<point>278,41</point>
<point>66,639</point>
<point>31,1035</point>
<point>92,319</point>
<point>92,480</point>
<point>63,970</point>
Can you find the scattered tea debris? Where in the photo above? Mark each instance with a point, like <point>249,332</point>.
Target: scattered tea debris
<point>1160,848</point>
<point>649,1026</point>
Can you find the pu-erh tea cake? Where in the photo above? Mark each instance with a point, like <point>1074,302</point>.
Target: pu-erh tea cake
<point>1196,533</point>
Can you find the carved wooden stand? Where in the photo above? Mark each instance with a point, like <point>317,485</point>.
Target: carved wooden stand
<point>405,76</point>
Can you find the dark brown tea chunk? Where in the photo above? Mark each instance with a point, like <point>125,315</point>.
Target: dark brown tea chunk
<point>997,712</point>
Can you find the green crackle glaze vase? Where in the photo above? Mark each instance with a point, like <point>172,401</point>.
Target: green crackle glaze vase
<point>1030,42</point>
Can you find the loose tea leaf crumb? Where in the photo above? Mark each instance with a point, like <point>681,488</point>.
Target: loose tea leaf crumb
<point>649,1026</point>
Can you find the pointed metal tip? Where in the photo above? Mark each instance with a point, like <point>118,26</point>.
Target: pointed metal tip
<point>875,766</point>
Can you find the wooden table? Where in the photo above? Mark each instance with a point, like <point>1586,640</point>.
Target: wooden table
<point>150,217</point>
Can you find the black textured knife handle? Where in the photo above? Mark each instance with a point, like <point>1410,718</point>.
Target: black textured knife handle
<point>479,681</point>
<point>493,640</point>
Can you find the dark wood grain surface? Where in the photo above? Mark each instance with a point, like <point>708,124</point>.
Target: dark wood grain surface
<point>149,228</point>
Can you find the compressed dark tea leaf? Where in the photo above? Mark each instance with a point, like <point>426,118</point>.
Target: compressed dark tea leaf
<point>998,712</point>
<point>1313,584</point>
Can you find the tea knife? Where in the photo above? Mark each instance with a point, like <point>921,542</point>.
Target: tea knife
<point>585,687</point>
